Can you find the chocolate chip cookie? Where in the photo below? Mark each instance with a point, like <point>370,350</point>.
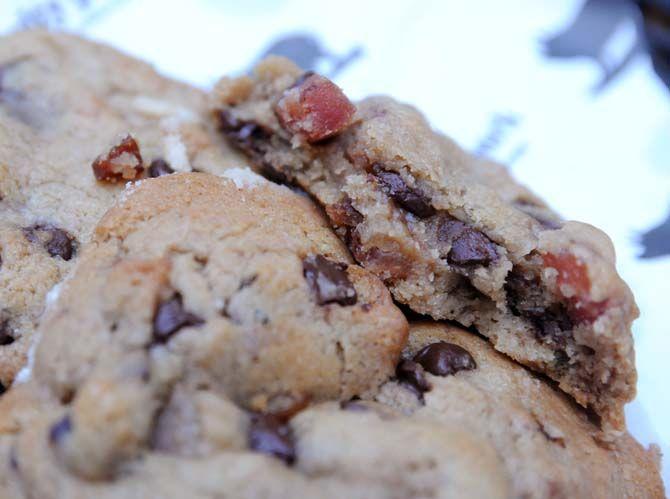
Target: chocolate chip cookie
<point>452,236</point>
<point>229,288</point>
<point>66,105</point>
<point>458,420</point>
<point>549,445</point>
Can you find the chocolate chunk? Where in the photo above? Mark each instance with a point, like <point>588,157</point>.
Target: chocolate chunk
<point>268,435</point>
<point>250,137</point>
<point>170,317</point>
<point>472,247</point>
<point>57,242</point>
<point>329,281</point>
<point>159,167</point>
<point>413,374</point>
<point>408,198</point>
<point>60,244</point>
<point>3,389</point>
<point>273,174</point>
<point>443,359</point>
<point>244,134</point>
<point>468,245</point>
<point>6,334</point>
<point>60,430</point>
<point>556,325</point>
<point>526,298</point>
<point>122,162</point>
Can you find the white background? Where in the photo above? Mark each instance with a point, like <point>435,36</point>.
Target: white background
<point>603,158</point>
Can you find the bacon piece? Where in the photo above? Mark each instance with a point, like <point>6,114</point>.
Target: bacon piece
<point>314,108</point>
<point>573,273</point>
<point>123,162</point>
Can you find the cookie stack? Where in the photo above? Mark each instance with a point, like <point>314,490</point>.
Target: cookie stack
<point>236,295</point>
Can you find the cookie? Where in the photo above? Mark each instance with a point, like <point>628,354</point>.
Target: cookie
<point>64,102</point>
<point>467,423</point>
<point>549,445</point>
<point>230,286</point>
<point>454,237</point>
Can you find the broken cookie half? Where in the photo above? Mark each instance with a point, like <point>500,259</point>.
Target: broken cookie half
<point>452,236</point>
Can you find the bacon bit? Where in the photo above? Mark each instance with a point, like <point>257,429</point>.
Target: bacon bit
<point>573,273</point>
<point>123,162</point>
<point>314,108</point>
<point>343,213</point>
<point>385,264</point>
<point>587,311</point>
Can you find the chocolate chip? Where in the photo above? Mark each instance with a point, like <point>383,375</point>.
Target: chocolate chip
<point>472,248</point>
<point>251,138</point>
<point>3,389</point>
<point>159,167</point>
<point>60,244</point>
<point>329,281</point>
<point>243,133</point>
<point>60,430</point>
<point>413,374</point>
<point>443,359</point>
<point>268,435</point>
<point>555,325</point>
<point>526,298</point>
<point>273,174</point>
<point>6,334</point>
<point>408,198</point>
<point>468,245</point>
<point>170,317</point>
<point>57,242</point>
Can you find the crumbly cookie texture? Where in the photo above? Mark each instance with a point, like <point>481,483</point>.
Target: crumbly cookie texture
<point>65,104</point>
<point>459,420</point>
<point>452,236</point>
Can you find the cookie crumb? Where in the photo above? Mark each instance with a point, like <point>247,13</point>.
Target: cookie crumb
<point>244,177</point>
<point>26,371</point>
